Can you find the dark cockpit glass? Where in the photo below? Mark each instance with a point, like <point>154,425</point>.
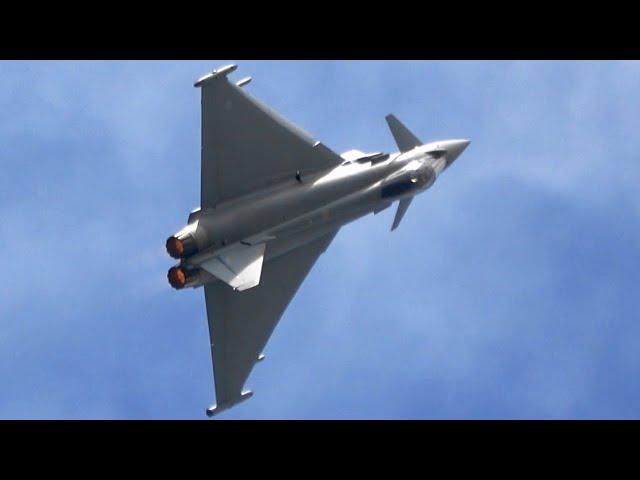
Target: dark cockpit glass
<point>437,153</point>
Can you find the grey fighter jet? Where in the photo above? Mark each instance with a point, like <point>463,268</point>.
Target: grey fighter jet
<point>271,201</point>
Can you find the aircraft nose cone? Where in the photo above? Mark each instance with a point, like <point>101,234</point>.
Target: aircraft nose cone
<point>455,148</point>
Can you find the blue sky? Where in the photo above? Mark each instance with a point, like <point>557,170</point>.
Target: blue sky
<point>509,291</point>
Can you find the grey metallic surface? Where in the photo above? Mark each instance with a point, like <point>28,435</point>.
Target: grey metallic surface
<point>266,183</point>
<point>239,331</point>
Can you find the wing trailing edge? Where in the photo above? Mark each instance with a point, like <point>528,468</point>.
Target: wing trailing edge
<point>240,323</point>
<point>216,409</point>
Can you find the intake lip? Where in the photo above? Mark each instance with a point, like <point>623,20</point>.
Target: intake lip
<point>408,182</point>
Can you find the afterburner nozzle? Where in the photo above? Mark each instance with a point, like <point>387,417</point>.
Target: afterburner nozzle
<point>180,277</point>
<point>177,277</point>
<point>181,247</point>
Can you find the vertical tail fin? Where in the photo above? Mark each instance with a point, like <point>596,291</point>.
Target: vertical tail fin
<point>404,138</point>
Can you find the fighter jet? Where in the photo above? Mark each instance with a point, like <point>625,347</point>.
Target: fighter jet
<point>271,201</point>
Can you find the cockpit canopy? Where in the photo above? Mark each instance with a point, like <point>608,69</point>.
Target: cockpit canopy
<point>437,153</point>
<point>356,156</point>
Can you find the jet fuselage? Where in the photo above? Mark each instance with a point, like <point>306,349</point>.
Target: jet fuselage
<point>272,201</point>
<point>303,208</point>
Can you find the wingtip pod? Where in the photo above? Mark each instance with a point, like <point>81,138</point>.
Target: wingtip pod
<point>222,71</point>
<point>216,409</point>
<point>212,410</point>
<point>243,82</point>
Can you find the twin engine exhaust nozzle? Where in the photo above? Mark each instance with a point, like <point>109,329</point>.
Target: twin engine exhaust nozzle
<point>180,277</point>
<point>181,246</point>
<point>177,277</point>
<point>183,243</point>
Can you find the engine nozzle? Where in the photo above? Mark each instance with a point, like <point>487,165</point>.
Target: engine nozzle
<point>181,247</point>
<point>180,278</point>
<point>177,277</point>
